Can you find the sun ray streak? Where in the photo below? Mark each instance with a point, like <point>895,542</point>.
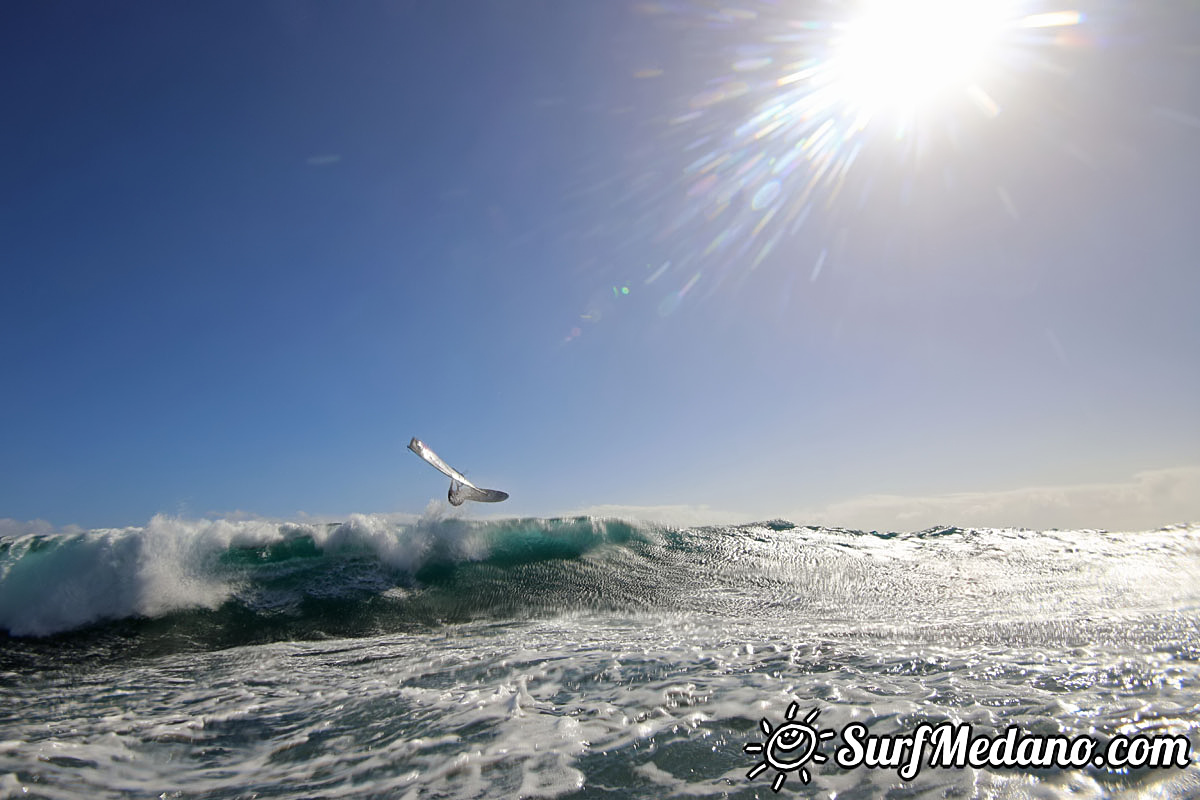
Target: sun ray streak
<point>893,77</point>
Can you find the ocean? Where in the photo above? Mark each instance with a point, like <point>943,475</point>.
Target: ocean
<point>596,658</point>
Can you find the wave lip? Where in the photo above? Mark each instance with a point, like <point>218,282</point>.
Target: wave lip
<point>56,582</point>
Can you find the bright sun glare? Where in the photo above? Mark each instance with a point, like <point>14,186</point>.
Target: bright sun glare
<point>812,89</point>
<point>902,55</point>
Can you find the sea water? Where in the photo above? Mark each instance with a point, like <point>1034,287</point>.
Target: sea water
<point>586,658</point>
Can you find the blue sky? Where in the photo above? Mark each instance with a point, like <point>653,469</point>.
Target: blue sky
<point>632,257</point>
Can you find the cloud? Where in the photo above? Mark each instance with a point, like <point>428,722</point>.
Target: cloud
<point>1148,500</point>
<point>17,527</point>
<point>12,528</point>
<point>670,515</point>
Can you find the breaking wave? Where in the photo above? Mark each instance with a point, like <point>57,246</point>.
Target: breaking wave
<point>223,582</point>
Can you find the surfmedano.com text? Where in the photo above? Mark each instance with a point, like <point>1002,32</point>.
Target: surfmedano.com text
<point>950,745</point>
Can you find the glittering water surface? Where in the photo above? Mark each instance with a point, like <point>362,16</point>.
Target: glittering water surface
<point>581,658</point>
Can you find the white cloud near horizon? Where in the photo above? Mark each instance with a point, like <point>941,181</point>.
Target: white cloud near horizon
<point>1149,499</point>
<point>667,515</point>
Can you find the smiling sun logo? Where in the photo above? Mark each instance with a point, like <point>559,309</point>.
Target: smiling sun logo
<point>789,747</point>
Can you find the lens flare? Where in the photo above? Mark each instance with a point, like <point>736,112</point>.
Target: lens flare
<point>779,141</point>
<point>779,137</point>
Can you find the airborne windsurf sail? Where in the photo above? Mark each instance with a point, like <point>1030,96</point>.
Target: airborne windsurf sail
<point>461,489</point>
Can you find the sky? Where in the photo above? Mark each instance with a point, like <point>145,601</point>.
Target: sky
<point>880,265</point>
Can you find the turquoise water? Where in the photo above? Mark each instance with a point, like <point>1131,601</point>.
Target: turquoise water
<point>578,657</point>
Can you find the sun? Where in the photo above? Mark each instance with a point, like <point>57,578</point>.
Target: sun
<point>789,747</point>
<point>825,119</point>
<point>903,55</point>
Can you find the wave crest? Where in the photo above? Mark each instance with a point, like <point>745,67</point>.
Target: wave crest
<point>55,582</point>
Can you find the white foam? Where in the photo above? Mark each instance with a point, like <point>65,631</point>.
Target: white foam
<point>54,583</point>
<point>406,547</point>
